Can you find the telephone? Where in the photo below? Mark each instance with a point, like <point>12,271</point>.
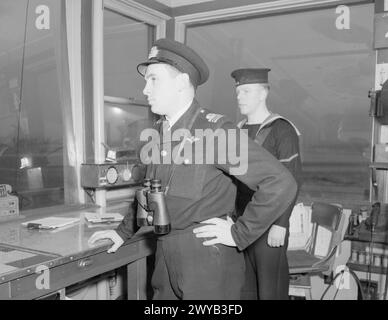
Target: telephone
<point>375,225</point>
<point>5,189</point>
<point>372,221</point>
<point>9,204</point>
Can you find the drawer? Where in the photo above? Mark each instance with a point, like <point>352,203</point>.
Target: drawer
<point>5,291</point>
<point>40,284</point>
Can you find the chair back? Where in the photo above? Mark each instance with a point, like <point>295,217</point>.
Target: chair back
<point>318,257</point>
<point>326,215</point>
<point>328,221</point>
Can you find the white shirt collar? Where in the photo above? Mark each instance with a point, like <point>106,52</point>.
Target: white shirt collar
<point>175,117</point>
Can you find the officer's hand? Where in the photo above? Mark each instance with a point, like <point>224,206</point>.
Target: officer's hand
<point>217,228</point>
<point>276,236</point>
<point>107,234</point>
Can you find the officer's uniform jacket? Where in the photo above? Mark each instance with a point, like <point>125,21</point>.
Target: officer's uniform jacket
<point>197,192</point>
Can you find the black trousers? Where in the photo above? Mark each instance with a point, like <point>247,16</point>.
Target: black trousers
<point>267,273</point>
<point>186,269</point>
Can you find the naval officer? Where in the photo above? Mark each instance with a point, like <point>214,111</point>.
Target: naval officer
<point>201,257</point>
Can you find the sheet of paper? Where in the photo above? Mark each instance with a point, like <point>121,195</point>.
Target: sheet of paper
<point>6,268</point>
<point>53,222</point>
<point>297,218</point>
<point>14,255</point>
<point>300,227</point>
<point>322,242</point>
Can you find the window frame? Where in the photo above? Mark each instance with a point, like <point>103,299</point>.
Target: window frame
<point>73,193</point>
<point>133,10</point>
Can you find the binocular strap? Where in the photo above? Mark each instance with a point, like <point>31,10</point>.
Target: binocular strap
<point>189,127</point>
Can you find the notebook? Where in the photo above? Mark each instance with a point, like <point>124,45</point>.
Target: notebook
<point>50,223</point>
<point>94,217</point>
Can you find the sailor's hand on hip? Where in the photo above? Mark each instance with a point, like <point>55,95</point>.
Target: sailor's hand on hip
<point>276,236</point>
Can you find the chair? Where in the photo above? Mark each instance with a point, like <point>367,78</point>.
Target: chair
<point>317,257</point>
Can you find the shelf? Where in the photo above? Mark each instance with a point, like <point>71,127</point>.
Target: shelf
<point>379,165</point>
<point>365,237</point>
<point>366,268</point>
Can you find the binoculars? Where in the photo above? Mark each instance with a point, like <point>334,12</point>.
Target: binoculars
<point>151,207</point>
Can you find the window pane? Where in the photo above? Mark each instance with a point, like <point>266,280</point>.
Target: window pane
<point>319,80</point>
<point>124,124</point>
<point>31,135</point>
<point>126,44</point>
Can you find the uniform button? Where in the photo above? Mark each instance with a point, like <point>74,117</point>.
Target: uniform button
<point>163,153</point>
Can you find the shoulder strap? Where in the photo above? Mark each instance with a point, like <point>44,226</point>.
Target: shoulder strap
<point>216,120</point>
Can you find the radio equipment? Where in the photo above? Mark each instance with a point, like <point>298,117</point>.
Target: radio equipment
<point>108,175</point>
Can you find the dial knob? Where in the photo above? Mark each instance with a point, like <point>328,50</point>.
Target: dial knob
<point>126,174</point>
<point>112,175</point>
<point>138,172</point>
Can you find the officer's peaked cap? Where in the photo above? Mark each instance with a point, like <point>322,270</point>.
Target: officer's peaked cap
<point>250,75</point>
<point>180,56</point>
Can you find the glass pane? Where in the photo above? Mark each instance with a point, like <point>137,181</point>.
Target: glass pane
<point>31,143</point>
<point>123,126</point>
<point>126,44</point>
<point>319,80</point>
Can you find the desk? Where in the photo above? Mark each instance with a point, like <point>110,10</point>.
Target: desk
<point>73,259</point>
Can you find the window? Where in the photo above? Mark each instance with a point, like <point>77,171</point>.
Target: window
<point>319,80</point>
<point>127,42</point>
<point>32,137</point>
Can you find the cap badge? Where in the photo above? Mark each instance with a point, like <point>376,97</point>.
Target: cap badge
<point>153,52</point>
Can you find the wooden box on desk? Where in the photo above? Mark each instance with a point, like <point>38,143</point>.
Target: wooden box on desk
<point>9,206</point>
